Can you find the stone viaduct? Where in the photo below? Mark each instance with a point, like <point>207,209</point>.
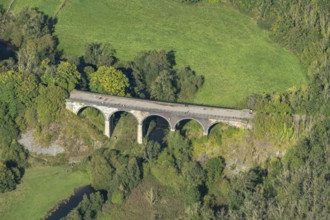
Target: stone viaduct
<point>141,109</point>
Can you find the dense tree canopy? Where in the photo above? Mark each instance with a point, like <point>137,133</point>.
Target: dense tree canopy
<point>98,54</point>
<point>154,77</point>
<point>66,76</point>
<point>7,179</point>
<point>293,187</point>
<point>50,102</point>
<point>30,31</point>
<point>110,81</point>
<point>114,172</point>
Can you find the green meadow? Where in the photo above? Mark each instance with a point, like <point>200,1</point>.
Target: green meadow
<point>40,190</point>
<point>235,56</point>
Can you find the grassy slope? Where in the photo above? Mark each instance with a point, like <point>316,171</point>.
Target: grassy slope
<point>40,190</point>
<point>5,4</point>
<point>49,7</point>
<point>236,57</point>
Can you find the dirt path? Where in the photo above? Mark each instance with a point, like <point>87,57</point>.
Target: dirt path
<point>11,4</point>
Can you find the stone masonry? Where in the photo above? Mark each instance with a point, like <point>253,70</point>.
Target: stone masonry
<point>141,109</point>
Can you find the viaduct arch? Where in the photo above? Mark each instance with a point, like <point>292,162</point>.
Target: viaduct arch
<point>141,109</point>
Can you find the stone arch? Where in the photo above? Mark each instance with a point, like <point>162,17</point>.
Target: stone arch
<point>112,123</point>
<point>107,126</point>
<point>79,110</point>
<point>122,110</point>
<point>161,116</point>
<point>218,122</point>
<point>233,123</point>
<point>212,125</point>
<point>143,126</point>
<point>200,123</point>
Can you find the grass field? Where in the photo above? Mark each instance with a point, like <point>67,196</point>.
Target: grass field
<point>40,190</point>
<point>236,57</point>
<point>5,4</point>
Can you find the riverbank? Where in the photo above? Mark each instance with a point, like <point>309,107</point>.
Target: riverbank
<point>64,207</point>
<point>6,50</point>
<point>39,191</point>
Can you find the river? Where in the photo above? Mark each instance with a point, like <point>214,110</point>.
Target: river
<point>67,206</point>
<point>6,50</point>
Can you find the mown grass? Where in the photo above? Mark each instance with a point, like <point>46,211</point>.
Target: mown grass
<point>5,4</point>
<point>49,7</point>
<point>235,56</point>
<point>40,190</point>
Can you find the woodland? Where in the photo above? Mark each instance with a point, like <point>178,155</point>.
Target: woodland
<point>184,175</point>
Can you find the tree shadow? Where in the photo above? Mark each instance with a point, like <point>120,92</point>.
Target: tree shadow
<point>171,57</point>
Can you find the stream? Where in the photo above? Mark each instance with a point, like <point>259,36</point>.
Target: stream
<point>68,205</point>
<point>6,50</point>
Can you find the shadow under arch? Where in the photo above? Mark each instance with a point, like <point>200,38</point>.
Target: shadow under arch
<point>209,130</point>
<point>180,124</point>
<point>80,110</point>
<point>156,127</point>
<point>95,117</point>
<point>130,123</point>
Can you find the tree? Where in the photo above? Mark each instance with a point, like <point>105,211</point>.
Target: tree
<point>110,81</point>
<point>101,171</point>
<point>153,76</point>
<point>50,103</point>
<point>242,187</point>
<point>179,148</point>
<point>163,87</point>
<point>17,88</point>
<point>14,155</point>
<point>33,51</point>
<point>191,195</point>
<point>128,176</point>
<point>7,179</point>
<point>193,173</point>
<point>30,30</point>
<point>152,150</point>
<point>66,76</point>
<point>87,208</point>
<point>188,83</point>
<point>98,55</point>
<point>8,127</point>
<point>146,68</point>
<point>190,1</point>
<point>27,24</point>
<point>214,168</point>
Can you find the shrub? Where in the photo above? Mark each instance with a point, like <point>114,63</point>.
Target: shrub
<point>117,197</point>
<point>50,103</point>
<point>7,179</point>
<point>191,195</point>
<point>214,168</point>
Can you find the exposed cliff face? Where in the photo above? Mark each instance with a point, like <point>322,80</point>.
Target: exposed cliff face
<point>240,155</point>
<point>72,136</point>
<point>241,149</point>
<point>77,137</point>
<point>240,152</point>
<point>33,145</point>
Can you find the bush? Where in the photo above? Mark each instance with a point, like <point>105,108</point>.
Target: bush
<point>7,179</point>
<point>98,54</point>
<point>50,103</point>
<point>110,81</point>
<point>117,197</point>
<point>214,168</point>
<point>191,196</point>
<point>151,150</point>
<point>87,208</point>
<point>190,1</point>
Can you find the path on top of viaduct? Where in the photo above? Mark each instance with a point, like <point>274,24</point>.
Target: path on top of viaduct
<point>141,109</point>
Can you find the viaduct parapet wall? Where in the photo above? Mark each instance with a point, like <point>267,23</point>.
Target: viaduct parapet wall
<point>141,109</point>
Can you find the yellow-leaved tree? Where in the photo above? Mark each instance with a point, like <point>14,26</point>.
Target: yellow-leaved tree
<point>109,80</point>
